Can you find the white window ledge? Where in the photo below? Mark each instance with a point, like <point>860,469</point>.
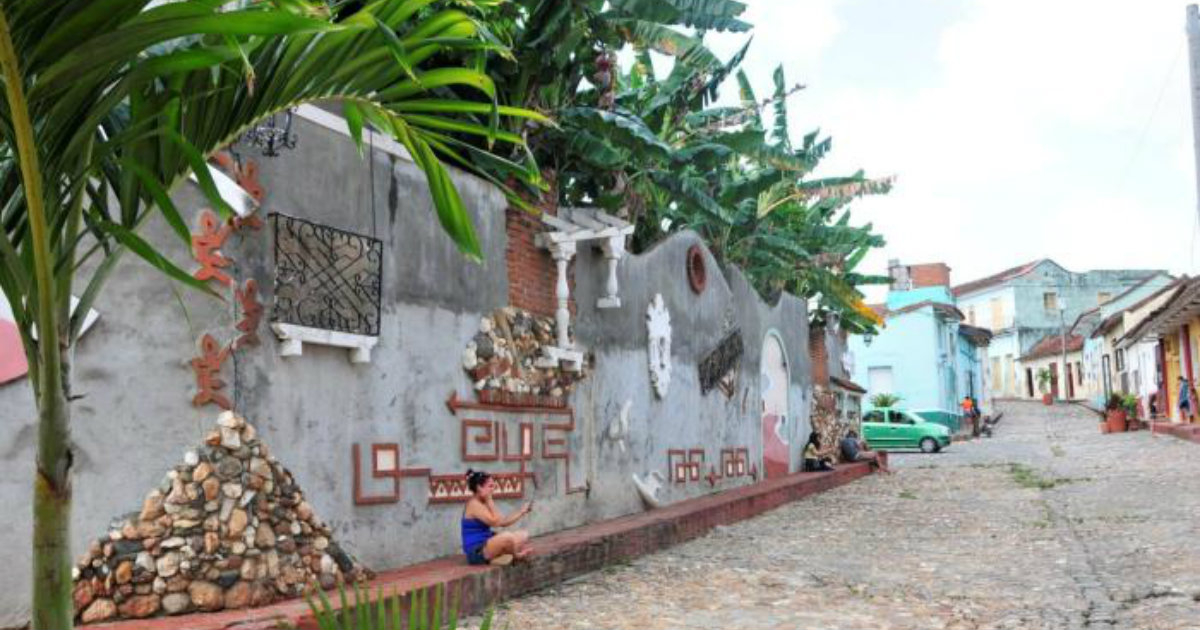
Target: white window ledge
<point>292,339</point>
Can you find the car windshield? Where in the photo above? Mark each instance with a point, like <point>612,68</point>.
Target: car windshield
<point>913,418</point>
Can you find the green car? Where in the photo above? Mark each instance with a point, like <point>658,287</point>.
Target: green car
<point>891,429</point>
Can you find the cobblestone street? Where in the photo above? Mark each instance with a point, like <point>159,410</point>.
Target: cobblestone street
<point>1047,525</point>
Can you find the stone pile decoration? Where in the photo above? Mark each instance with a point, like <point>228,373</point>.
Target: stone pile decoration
<point>825,420</point>
<point>228,528</point>
<point>505,361</point>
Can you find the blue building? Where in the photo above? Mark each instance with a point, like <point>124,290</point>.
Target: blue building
<point>924,354</point>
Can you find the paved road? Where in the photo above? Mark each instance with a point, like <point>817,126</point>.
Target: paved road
<point>1047,525</point>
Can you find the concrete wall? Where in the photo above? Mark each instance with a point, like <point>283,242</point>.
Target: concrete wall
<point>136,419</point>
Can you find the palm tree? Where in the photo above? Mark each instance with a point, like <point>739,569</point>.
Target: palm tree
<point>110,103</point>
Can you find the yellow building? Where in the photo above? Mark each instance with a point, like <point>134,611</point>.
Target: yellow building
<point>1176,325</point>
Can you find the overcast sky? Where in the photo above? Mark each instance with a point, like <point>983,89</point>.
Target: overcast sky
<point>1017,129</point>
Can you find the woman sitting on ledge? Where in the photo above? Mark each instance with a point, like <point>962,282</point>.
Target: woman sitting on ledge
<point>815,460</point>
<point>479,542</point>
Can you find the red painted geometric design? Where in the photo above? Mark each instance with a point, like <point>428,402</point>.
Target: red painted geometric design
<point>453,488</point>
<point>555,442</point>
<point>684,465</point>
<point>206,249</point>
<point>208,374</point>
<point>735,462</point>
<point>252,312</point>
<point>484,432</point>
<point>385,464</point>
<point>245,174</point>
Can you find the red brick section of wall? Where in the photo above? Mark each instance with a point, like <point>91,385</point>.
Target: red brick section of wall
<point>929,275</point>
<point>559,556</point>
<point>532,275</point>
<point>819,355</point>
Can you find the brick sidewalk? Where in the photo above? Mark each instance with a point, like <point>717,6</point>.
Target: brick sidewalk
<point>1189,432</point>
<point>559,556</point>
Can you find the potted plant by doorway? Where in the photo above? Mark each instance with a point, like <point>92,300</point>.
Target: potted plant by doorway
<point>1115,414</point>
<point>1043,378</point>
<point>1131,412</point>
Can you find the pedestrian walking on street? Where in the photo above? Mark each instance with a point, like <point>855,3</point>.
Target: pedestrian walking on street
<point>1186,394</point>
<point>970,412</point>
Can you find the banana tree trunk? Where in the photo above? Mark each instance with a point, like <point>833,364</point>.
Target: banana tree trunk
<point>52,602</point>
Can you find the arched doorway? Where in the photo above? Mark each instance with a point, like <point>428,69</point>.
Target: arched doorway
<point>776,453</point>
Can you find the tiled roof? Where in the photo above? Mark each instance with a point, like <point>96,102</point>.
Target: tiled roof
<point>998,278</point>
<point>1089,316</point>
<point>1185,290</point>
<point>981,336</point>
<point>847,385</point>
<point>1051,345</point>
<point>944,309</point>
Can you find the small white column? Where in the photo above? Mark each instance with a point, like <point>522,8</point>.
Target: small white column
<point>614,250</point>
<point>563,252</point>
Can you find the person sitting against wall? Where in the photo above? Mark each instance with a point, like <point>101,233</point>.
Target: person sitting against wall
<point>480,544</point>
<point>815,460</point>
<point>856,450</point>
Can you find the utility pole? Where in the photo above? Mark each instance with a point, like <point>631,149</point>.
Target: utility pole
<point>1193,33</point>
<point>1062,334</point>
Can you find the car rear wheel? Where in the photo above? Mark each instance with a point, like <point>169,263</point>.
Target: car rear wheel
<point>929,445</point>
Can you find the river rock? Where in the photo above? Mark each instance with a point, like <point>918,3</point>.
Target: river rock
<point>124,572</point>
<point>99,610</point>
<point>206,596</point>
<point>139,607</point>
<point>238,595</point>
<point>237,523</point>
<point>176,603</point>
<point>168,564</point>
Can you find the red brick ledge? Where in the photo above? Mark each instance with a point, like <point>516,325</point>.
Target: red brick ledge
<point>559,556</point>
<point>1188,432</point>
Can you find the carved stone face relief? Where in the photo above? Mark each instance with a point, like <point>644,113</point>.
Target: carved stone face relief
<point>658,324</point>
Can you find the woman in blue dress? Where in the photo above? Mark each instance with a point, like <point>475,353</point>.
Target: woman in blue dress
<point>482,545</point>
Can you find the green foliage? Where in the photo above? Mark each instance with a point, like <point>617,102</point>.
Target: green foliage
<point>667,161</point>
<point>386,611</point>
<point>1129,403</point>
<point>885,401</point>
<point>1043,378</point>
<point>109,104</point>
<point>1027,477</point>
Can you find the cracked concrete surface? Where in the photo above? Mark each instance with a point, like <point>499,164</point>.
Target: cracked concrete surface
<point>1047,525</point>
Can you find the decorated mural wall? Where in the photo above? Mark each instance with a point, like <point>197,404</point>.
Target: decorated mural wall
<point>379,365</point>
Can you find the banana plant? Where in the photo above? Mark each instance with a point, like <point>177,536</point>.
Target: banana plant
<point>664,156</point>
<point>564,52</point>
<point>108,104</point>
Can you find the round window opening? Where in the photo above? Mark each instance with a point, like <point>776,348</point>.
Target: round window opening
<point>697,275</point>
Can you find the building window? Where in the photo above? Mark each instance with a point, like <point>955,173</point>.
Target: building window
<point>996,374</point>
<point>971,315</point>
<point>1078,373</point>
<point>1050,301</point>
<point>1120,360</point>
<point>1103,298</point>
<point>997,314</point>
<point>879,380</point>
